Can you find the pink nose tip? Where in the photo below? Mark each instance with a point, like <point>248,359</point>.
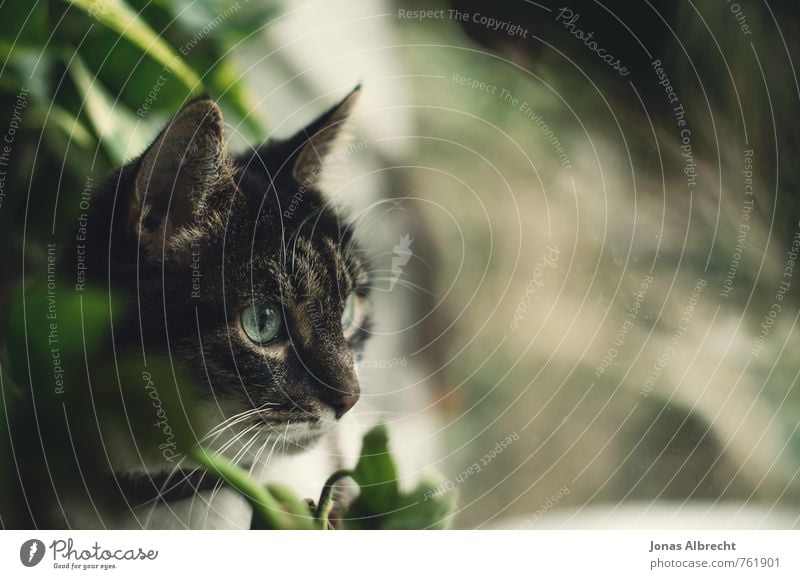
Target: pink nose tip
<point>344,404</point>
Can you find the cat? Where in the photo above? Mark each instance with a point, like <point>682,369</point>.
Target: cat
<point>238,268</point>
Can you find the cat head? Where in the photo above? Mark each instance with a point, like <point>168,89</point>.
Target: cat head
<point>246,272</point>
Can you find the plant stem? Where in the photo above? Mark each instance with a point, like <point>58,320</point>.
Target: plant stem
<point>326,498</point>
<point>299,510</point>
<point>266,509</point>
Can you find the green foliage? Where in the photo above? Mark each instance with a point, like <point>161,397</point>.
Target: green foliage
<point>51,333</point>
<point>118,16</point>
<point>85,86</point>
<point>375,472</point>
<point>381,504</point>
<point>118,128</point>
<point>97,79</point>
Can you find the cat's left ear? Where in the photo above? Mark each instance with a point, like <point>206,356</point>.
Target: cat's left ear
<point>320,139</point>
<point>178,172</point>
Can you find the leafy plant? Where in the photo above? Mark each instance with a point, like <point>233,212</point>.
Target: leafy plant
<point>89,82</point>
<point>84,86</point>
<point>381,504</point>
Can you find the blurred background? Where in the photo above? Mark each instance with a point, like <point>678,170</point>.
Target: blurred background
<point>582,222</point>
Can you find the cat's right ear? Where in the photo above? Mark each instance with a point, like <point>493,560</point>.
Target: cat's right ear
<point>319,140</point>
<point>177,172</point>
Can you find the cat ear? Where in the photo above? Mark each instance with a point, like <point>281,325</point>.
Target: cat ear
<point>179,170</point>
<point>320,139</point>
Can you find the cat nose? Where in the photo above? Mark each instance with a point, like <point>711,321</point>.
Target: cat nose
<point>344,404</point>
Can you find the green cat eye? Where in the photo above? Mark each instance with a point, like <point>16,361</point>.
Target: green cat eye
<point>349,312</point>
<point>261,322</point>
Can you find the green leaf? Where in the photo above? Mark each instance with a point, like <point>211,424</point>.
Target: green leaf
<point>75,130</point>
<point>131,77</point>
<point>121,132</point>
<point>381,505</point>
<point>29,68</point>
<point>118,16</point>
<point>267,511</point>
<point>297,509</point>
<point>50,328</point>
<point>423,508</point>
<point>213,20</point>
<point>159,401</point>
<point>325,504</point>
<point>24,23</point>
<point>375,472</point>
